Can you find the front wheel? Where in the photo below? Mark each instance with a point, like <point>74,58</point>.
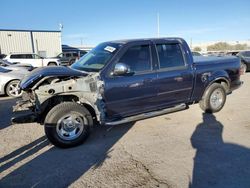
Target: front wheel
<point>213,99</point>
<point>13,89</point>
<point>68,124</point>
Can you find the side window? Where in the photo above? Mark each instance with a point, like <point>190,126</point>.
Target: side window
<point>28,56</point>
<point>16,56</point>
<point>68,55</point>
<point>36,56</point>
<point>60,55</point>
<point>137,58</point>
<point>170,55</point>
<point>75,54</point>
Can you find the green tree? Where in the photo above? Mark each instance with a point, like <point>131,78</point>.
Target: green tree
<point>225,46</point>
<point>197,49</point>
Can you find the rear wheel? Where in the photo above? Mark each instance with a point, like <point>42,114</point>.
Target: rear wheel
<point>213,99</point>
<point>13,89</point>
<point>68,124</point>
<point>71,62</point>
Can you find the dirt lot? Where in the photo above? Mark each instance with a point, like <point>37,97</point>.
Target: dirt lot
<point>184,149</point>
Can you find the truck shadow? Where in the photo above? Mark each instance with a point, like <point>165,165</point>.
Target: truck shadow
<point>60,167</point>
<point>6,111</point>
<point>216,163</point>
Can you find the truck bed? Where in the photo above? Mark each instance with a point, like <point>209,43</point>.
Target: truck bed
<point>214,59</point>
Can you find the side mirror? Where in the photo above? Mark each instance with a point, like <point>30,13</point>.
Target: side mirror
<point>121,69</point>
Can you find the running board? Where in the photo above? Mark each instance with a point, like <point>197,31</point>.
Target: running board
<point>148,115</point>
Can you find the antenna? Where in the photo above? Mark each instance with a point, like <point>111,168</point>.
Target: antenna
<point>158,24</point>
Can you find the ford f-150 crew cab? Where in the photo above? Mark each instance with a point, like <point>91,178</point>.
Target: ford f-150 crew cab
<point>125,81</point>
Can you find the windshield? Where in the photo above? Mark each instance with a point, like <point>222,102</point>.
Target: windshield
<point>97,58</point>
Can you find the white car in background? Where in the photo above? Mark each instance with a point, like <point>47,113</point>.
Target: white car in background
<point>15,66</point>
<point>10,80</point>
<point>32,59</point>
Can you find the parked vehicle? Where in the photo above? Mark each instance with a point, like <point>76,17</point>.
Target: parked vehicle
<point>32,59</point>
<point>2,56</point>
<point>123,81</point>
<point>10,80</point>
<point>196,54</point>
<point>232,53</point>
<point>68,58</point>
<point>245,60</point>
<point>15,66</point>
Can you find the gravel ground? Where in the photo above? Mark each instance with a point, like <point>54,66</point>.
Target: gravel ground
<point>183,149</point>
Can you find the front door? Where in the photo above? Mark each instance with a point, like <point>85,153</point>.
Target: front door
<point>132,94</point>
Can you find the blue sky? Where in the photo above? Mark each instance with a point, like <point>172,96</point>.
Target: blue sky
<point>95,21</point>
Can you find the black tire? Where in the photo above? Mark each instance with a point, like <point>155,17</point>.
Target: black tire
<point>71,61</point>
<point>52,64</point>
<point>13,89</point>
<point>58,132</point>
<point>215,94</point>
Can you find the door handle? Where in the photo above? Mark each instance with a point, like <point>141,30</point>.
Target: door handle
<point>146,80</point>
<point>178,79</point>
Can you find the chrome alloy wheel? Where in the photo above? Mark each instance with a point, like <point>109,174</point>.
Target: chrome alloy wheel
<point>14,89</point>
<point>71,126</point>
<point>217,98</point>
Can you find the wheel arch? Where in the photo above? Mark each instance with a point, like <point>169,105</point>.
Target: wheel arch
<point>47,105</point>
<point>52,62</point>
<point>223,81</point>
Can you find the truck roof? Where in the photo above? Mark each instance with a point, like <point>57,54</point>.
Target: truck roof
<point>124,41</point>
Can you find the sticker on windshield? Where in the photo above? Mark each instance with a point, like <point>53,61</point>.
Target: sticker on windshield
<point>109,49</point>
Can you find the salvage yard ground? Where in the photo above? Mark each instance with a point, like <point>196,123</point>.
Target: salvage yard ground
<point>183,149</point>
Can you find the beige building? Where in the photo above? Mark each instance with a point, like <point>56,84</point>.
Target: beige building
<point>45,43</point>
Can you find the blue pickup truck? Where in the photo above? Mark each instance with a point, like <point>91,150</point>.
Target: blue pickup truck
<point>124,81</point>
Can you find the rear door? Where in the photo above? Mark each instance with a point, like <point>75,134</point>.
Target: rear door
<point>175,76</point>
<point>36,60</point>
<point>132,94</point>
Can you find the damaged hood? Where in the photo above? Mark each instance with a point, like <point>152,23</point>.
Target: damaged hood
<point>36,75</point>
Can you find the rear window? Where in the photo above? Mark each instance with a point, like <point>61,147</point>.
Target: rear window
<point>170,55</point>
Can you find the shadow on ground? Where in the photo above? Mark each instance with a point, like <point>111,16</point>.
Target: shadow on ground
<point>216,163</point>
<point>60,167</point>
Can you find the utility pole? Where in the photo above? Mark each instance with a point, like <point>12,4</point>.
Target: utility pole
<point>61,29</point>
<point>81,40</point>
<point>158,25</point>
